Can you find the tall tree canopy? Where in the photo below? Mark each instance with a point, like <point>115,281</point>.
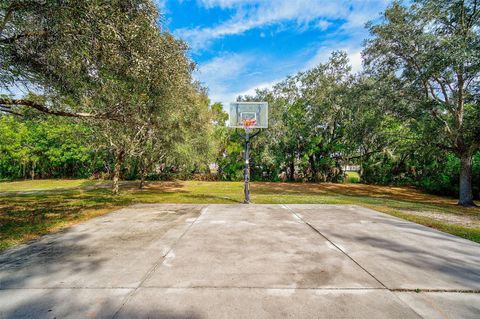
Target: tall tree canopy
<point>430,53</point>
<point>105,60</point>
<point>75,53</point>
<point>320,120</point>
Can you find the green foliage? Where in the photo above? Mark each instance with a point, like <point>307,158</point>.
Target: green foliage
<point>112,63</point>
<point>320,120</point>
<point>412,118</point>
<point>426,167</point>
<point>45,147</point>
<point>428,52</point>
<point>442,177</point>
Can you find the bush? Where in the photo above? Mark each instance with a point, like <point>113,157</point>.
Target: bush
<point>434,172</point>
<point>446,178</point>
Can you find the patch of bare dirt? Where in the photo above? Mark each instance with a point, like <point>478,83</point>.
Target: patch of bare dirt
<point>461,220</point>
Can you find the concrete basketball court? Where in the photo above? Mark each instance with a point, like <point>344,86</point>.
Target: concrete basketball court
<point>243,261</point>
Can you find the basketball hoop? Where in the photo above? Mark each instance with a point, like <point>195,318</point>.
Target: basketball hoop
<point>249,116</point>
<point>248,123</point>
<point>253,115</point>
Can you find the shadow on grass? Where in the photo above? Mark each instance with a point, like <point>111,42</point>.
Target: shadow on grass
<point>164,187</point>
<point>376,191</point>
<point>24,217</point>
<point>396,197</point>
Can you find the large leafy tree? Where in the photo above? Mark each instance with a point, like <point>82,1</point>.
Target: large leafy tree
<point>188,146</point>
<point>40,146</point>
<point>75,53</point>
<point>430,54</point>
<point>371,128</point>
<point>320,119</point>
<point>104,60</point>
<point>153,86</point>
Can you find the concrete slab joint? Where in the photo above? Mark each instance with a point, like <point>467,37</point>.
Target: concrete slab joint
<point>243,261</point>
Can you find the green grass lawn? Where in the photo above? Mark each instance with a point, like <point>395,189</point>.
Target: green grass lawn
<point>29,209</point>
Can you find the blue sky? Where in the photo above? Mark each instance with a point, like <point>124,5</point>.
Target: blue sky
<point>240,45</point>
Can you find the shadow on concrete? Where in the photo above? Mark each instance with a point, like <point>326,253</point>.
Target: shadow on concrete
<point>454,259</point>
<point>419,258</point>
<point>47,257</point>
<point>79,303</point>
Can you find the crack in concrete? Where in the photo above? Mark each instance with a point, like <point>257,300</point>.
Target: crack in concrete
<point>462,291</point>
<point>331,242</point>
<point>439,311</point>
<point>156,264</point>
<point>348,256</point>
<point>418,290</point>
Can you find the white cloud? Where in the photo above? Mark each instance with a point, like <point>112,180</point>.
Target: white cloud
<point>355,60</point>
<point>229,75</point>
<point>224,3</point>
<point>222,92</point>
<point>232,74</point>
<point>220,74</point>
<point>352,47</point>
<point>259,86</point>
<point>161,5</point>
<point>251,14</point>
<point>323,24</point>
<point>224,65</point>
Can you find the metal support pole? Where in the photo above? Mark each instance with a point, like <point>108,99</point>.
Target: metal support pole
<point>247,169</point>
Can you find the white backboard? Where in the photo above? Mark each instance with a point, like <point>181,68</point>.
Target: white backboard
<point>240,111</point>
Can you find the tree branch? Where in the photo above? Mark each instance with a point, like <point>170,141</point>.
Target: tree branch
<point>16,37</point>
<point>8,14</point>
<point>475,147</point>
<point>7,103</point>
<point>15,6</point>
<point>10,112</point>
<point>444,90</point>
<point>434,96</point>
<point>444,122</point>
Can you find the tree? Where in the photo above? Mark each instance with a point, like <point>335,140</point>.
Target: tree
<point>45,147</point>
<point>73,52</point>
<point>371,128</point>
<point>430,54</point>
<point>154,86</point>
<point>84,56</point>
<point>312,112</point>
<point>100,60</point>
<point>190,144</point>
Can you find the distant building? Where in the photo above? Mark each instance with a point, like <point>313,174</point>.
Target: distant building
<point>213,167</point>
<point>351,168</point>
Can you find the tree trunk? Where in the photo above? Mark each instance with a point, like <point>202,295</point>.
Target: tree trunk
<point>116,171</point>
<point>145,166</point>
<point>313,168</point>
<point>142,178</point>
<point>32,172</point>
<point>292,171</point>
<point>466,194</point>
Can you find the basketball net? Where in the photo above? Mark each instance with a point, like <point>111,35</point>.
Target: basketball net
<point>247,123</point>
